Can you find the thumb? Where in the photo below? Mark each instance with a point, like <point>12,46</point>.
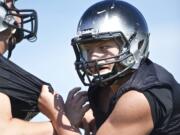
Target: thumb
<point>85,127</point>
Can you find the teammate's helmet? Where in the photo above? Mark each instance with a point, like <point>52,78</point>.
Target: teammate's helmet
<point>111,19</point>
<point>26,29</point>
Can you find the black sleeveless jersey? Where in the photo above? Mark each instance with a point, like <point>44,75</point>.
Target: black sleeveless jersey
<point>21,87</point>
<point>161,90</point>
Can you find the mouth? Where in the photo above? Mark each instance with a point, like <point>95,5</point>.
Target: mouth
<point>102,70</point>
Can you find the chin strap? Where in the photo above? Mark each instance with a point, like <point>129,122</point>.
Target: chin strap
<point>11,46</point>
<point>14,39</point>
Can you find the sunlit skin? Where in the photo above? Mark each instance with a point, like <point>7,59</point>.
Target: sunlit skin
<point>101,50</point>
<point>116,123</point>
<point>15,126</point>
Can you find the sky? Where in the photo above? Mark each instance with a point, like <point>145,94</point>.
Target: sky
<point>51,57</point>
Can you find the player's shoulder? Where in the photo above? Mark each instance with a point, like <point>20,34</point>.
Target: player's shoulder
<point>5,106</point>
<point>132,106</point>
<point>3,97</point>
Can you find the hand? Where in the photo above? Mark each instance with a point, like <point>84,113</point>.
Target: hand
<point>50,104</point>
<point>89,129</point>
<point>75,106</point>
<point>88,123</point>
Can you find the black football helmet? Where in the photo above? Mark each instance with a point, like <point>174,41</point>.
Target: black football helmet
<point>117,20</point>
<point>25,29</point>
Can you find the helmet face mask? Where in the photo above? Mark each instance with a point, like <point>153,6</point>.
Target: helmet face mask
<point>28,21</point>
<point>90,71</point>
<point>111,20</point>
<point>24,23</point>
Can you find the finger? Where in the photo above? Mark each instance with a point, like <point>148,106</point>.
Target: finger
<point>59,102</point>
<point>85,127</point>
<point>59,98</point>
<point>83,100</point>
<point>85,108</point>
<point>80,95</point>
<point>72,93</point>
<point>44,90</point>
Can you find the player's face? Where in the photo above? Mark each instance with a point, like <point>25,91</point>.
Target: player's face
<point>6,34</point>
<point>101,51</point>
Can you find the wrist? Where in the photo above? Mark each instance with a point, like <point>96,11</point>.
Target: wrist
<point>62,124</point>
<point>54,117</point>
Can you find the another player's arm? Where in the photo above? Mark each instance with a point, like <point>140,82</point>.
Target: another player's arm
<point>14,126</point>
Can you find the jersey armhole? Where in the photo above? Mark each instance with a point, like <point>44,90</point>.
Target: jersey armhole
<point>161,104</point>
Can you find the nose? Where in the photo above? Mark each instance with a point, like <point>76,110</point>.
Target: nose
<point>17,19</point>
<point>95,54</point>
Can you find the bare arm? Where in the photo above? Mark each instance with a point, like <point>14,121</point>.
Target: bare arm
<point>131,116</point>
<point>14,126</point>
<point>52,105</point>
<point>78,112</point>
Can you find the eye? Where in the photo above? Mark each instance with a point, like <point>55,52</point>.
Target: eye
<point>105,47</point>
<point>88,50</point>
<point>84,48</point>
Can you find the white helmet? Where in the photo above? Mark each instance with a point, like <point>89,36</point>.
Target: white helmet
<point>111,19</point>
<point>26,29</point>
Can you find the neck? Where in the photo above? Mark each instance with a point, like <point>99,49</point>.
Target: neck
<point>4,39</point>
<point>3,47</point>
<point>119,82</point>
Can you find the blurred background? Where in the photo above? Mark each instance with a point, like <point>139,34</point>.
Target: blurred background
<point>51,57</point>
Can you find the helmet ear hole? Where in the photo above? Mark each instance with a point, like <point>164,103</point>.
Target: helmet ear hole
<point>140,44</point>
<point>120,42</point>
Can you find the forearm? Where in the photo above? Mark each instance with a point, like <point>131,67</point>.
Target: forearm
<point>21,127</point>
<point>63,126</point>
<point>52,105</point>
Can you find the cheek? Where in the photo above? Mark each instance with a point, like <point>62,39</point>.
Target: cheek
<point>18,20</point>
<point>111,66</point>
<point>113,52</point>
